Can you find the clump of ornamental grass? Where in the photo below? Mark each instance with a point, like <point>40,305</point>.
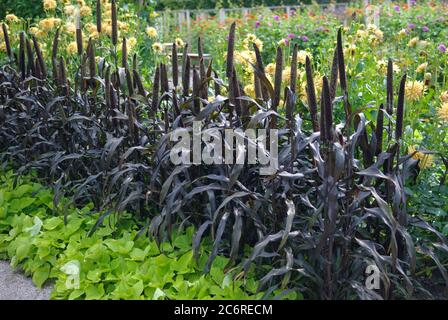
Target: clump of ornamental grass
<point>335,205</point>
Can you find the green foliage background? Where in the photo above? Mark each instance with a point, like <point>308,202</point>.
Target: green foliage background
<point>22,8</point>
<point>210,4</point>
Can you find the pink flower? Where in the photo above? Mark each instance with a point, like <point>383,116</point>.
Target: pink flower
<point>276,18</point>
<point>291,36</point>
<point>257,23</point>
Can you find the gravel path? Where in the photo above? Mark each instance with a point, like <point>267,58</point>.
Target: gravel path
<point>14,285</point>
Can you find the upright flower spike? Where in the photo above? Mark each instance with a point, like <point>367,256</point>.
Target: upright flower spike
<point>78,34</point>
<point>114,22</point>
<point>40,57</point>
<point>260,69</point>
<point>129,83</point>
<point>390,88</point>
<point>54,50</point>
<point>328,111</point>
<point>379,128</point>
<point>6,38</point>
<point>124,53</point>
<point>98,16</point>
<point>311,95</point>
<point>91,56</point>
<point>334,75</point>
<point>342,77</point>
<point>196,87</point>
<point>174,66</point>
<point>186,77</point>
<point>22,65</point>
<point>230,50</point>
<point>155,91</point>
<point>293,79</point>
<point>278,78</point>
<point>164,84</point>
<point>138,83</point>
<point>30,57</point>
<point>400,109</point>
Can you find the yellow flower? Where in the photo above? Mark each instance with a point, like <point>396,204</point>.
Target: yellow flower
<point>402,33</point>
<point>11,18</point>
<point>245,57</point>
<point>49,4</point>
<point>423,43</point>
<point>426,161</point>
<point>318,84</point>
<point>414,90</point>
<point>259,44</point>
<point>90,27</point>
<point>270,69</point>
<point>123,25</point>
<point>250,39</point>
<point>282,42</point>
<point>350,50</point>
<point>151,32</point>
<point>70,27</point>
<point>372,27</point>
<point>132,42</point>
<point>379,34</point>
<point>421,68</point>
<point>69,9</point>
<point>250,90</point>
<point>286,75</point>
<point>2,47</point>
<point>157,47</point>
<point>413,42</point>
<point>72,48</point>
<point>33,30</point>
<point>444,97</point>
<point>47,24</point>
<point>301,56</point>
<point>361,34</point>
<point>108,9</point>
<point>443,111</point>
<point>179,42</point>
<point>153,14</point>
<point>415,155</point>
<point>85,11</point>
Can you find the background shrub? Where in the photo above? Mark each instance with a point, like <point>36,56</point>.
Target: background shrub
<point>24,8</point>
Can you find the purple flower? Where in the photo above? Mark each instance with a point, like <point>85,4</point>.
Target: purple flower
<point>291,36</point>
<point>411,26</point>
<point>425,29</point>
<point>287,42</point>
<point>276,18</point>
<point>257,23</point>
<point>442,48</point>
<point>413,2</point>
<point>304,38</point>
<point>397,8</point>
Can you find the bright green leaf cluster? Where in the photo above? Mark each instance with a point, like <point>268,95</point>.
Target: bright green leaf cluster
<point>113,263</point>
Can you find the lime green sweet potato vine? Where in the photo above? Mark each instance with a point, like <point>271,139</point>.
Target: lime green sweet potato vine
<point>113,263</point>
